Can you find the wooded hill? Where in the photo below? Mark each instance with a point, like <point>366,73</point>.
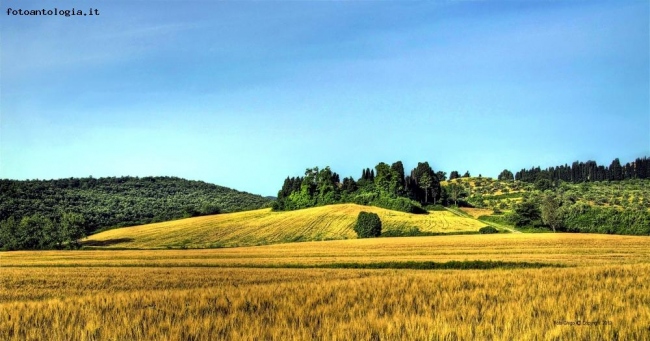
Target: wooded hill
<point>585,197</point>
<point>125,201</point>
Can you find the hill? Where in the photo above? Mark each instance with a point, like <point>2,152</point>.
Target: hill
<point>498,194</point>
<point>620,207</point>
<point>266,227</point>
<point>124,201</point>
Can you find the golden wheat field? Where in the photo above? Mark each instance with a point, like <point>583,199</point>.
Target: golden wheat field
<point>266,227</point>
<point>601,293</point>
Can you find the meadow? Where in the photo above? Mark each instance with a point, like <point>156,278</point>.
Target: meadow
<point>263,226</point>
<point>597,288</point>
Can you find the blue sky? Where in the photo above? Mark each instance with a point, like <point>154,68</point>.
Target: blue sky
<point>245,93</point>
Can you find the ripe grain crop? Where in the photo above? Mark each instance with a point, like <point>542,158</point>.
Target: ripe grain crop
<point>289,304</point>
<point>603,293</point>
<point>561,248</point>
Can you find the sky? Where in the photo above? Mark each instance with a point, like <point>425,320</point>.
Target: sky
<point>245,93</point>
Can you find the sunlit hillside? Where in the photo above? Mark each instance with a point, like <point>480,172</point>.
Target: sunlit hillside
<point>266,227</point>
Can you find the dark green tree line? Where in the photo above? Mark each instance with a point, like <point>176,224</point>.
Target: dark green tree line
<point>589,171</point>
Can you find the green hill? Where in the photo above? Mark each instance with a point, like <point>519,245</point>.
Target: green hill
<point>124,201</point>
<point>621,207</point>
<point>496,194</point>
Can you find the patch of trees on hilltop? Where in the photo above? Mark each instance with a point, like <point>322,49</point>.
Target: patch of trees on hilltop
<point>384,186</point>
<point>588,171</point>
<point>27,208</point>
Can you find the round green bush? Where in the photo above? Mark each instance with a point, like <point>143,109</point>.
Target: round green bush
<point>368,225</point>
<point>487,230</point>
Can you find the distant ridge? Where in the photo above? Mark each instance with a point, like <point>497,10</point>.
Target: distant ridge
<point>121,201</point>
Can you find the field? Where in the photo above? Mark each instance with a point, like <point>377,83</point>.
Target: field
<point>597,287</point>
<point>265,227</point>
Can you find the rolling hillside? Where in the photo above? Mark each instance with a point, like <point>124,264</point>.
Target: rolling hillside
<point>265,227</point>
<point>123,201</point>
<point>491,193</point>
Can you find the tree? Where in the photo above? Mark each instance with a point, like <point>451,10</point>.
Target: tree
<point>426,182</point>
<point>550,212</point>
<point>456,192</point>
<point>383,177</point>
<point>454,175</point>
<point>544,184</point>
<point>466,175</point>
<point>30,232</point>
<point>72,229</point>
<point>368,225</point>
<point>8,235</point>
<point>506,175</point>
<point>326,186</point>
<point>397,169</point>
<point>207,208</point>
<point>349,185</point>
<point>615,170</point>
<point>442,176</point>
<point>526,213</point>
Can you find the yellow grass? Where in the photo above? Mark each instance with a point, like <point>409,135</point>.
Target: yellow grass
<point>560,248</point>
<point>201,295</point>
<point>266,227</point>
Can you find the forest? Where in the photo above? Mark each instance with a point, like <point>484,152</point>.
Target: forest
<point>43,214</point>
<point>385,186</point>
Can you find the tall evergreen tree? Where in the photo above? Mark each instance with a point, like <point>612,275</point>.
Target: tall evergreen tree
<point>398,170</point>
<point>426,181</point>
<point>616,170</point>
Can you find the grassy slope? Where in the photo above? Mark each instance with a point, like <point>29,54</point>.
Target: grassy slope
<point>265,227</point>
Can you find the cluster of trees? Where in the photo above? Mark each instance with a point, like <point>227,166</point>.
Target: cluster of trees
<point>455,175</point>
<point>384,186</point>
<point>563,213</point>
<point>38,232</point>
<point>588,171</point>
<point>506,175</point>
<point>112,202</point>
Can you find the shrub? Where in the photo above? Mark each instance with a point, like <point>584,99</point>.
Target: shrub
<point>368,225</point>
<point>487,230</point>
